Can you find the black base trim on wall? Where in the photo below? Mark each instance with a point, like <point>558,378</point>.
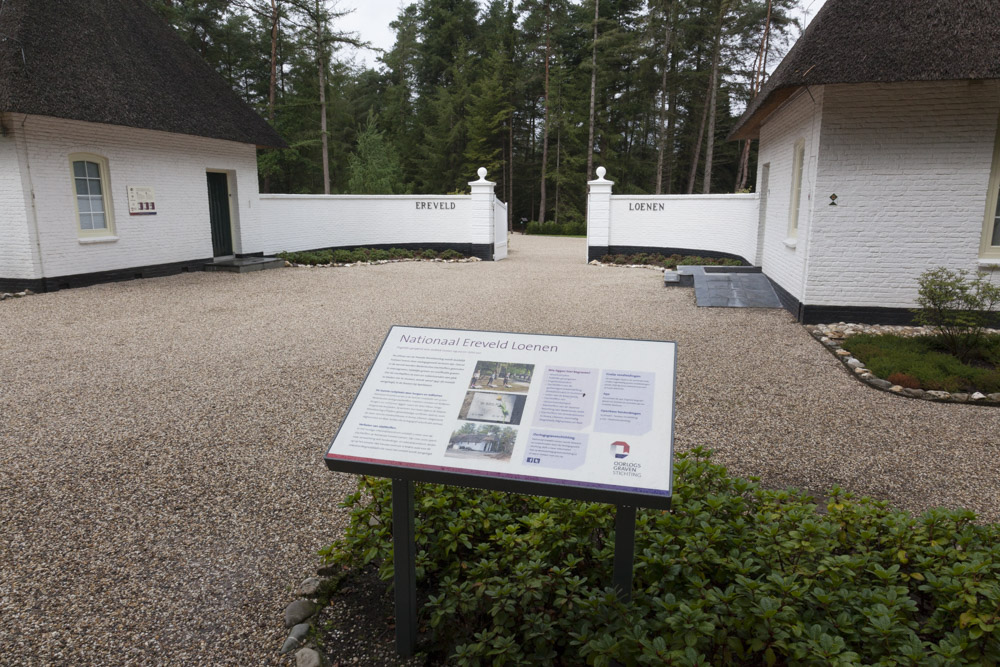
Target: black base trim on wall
<point>856,314</point>
<point>596,252</point>
<point>807,314</point>
<point>483,251</point>
<point>86,279</point>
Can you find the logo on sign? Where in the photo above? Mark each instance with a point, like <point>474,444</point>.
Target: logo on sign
<point>533,459</point>
<point>619,449</point>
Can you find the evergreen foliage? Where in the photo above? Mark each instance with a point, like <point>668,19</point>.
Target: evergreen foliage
<point>466,86</point>
<point>374,166</point>
<point>732,575</point>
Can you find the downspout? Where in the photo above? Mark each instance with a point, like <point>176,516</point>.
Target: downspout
<point>34,211</point>
<point>814,143</point>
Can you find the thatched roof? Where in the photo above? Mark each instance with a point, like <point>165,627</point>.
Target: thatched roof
<point>116,62</point>
<point>885,41</point>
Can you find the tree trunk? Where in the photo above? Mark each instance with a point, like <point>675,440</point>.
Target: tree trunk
<point>321,65</point>
<point>593,90</point>
<point>671,122</point>
<point>760,68</point>
<point>697,151</point>
<point>545,128</point>
<point>713,87</point>
<point>510,171</point>
<point>558,150</point>
<point>667,37</point>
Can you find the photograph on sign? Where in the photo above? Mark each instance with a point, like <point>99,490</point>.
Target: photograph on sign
<point>487,406</point>
<point>593,413</point>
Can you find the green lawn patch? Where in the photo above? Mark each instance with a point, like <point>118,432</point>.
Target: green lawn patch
<point>732,575</point>
<point>924,362</point>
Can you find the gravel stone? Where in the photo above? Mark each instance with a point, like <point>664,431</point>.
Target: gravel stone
<point>309,587</point>
<point>162,486</point>
<point>295,637</point>
<point>308,657</point>
<point>298,611</point>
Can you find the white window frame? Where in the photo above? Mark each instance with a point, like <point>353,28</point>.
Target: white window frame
<point>991,220</point>
<point>795,200</point>
<point>107,233</point>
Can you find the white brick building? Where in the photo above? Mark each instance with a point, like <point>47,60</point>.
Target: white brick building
<point>147,167</point>
<point>893,107</point>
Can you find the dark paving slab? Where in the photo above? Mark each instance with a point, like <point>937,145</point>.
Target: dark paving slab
<point>734,290</point>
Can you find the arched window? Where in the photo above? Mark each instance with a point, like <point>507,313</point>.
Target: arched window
<point>92,195</point>
<point>798,160</point>
<point>990,248</point>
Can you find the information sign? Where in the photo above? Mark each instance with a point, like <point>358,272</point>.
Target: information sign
<point>584,418</point>
<point>141,200</point>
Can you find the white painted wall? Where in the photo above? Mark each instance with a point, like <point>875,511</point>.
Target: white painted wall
<point>910,165</point>
<point>309,222</point>
<point>719,223</point>
<point>18,255</point>
<point>174,165</point>
<point>801,117</point>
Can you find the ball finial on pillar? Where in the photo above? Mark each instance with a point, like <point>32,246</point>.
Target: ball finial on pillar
<point>482,173</point>
<point>601,171</point>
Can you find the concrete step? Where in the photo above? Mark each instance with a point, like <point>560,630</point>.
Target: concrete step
<point>245,264</point>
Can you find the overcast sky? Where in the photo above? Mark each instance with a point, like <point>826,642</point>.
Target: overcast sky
<point>371,18</point>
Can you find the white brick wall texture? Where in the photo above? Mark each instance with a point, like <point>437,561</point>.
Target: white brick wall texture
<point>308,222</point>
<point>173,165</point>
<point>800,117</point>
<point>18,253</point>
<point>910,164</point>
<point>719,223</point>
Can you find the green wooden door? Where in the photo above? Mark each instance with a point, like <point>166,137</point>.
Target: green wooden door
<point>218,211</point>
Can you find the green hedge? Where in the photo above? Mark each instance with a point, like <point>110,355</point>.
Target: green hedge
<point>668,261</point>
<point>734,574</point>
<point>549,228</point>
<point>343,256</point>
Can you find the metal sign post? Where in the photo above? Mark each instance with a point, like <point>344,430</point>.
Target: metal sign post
<point>404,564</point>
<point>624,550</point>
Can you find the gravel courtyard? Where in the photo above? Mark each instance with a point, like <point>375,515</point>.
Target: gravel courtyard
<point>161,484</point>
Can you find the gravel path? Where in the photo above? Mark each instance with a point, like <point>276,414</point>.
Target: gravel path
<point>161,483</point>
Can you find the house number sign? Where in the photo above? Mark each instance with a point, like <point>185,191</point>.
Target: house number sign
<point>141,200</point>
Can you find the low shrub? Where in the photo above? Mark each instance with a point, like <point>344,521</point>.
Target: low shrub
<point>309,258</point>
<point>378,255</point>
<point>671,262</point>
<point>550,228</point>
<point>959,308</point>
<point>400,253</point>
<point>428,254</point>
<point>343,256</point>
<point>733,574</point>
<point>904,380</point>
<point>926,359</point>
<point>451,254</point>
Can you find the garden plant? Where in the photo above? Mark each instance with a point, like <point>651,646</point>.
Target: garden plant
<point>733,574</point>
<point>345,256</point>
<point>960,355</point>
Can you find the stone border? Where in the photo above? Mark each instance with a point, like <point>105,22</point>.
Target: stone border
<point>298,618</point>
<point>464,260</point>
<point>830,336</point>
<point>15,295</point>
<point>595,262</point>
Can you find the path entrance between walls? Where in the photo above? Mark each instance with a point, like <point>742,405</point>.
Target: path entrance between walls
<point>726,287</point>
